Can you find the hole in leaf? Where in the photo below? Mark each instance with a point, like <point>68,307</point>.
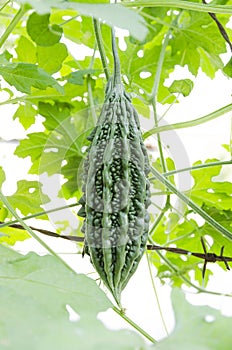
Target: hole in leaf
<point>209,318</point>
<point>73,315</point>
<point>52,149</point>
<point>144,75</point>
<point>66,18</point>
<point>31,190</point>
<point>140,53</point>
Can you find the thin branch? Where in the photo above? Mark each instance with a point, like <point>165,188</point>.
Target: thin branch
<point>190,123</point>
<point>209,257</point>
<point>220,27</point>
<point>196,167</point>
<point>133,324</point>
<point>23,9</point>
<point>182,4</point>
<point>9,223</point>
<point>4,5</point>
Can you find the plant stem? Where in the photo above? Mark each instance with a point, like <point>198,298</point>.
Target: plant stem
<point>191,6</point>
<point>4,5</point>
<point>8,223</point>
<point>154,93</point>
<point>190,123</point>
<point>192,205</point>
<point>31,232</point>
<point>100,44</point>
<point>156,294</point>
<point>23,9</point>
<point>134,325</point>
<point>117,69</point>
<point>196,167</point>
<point>155,87</point>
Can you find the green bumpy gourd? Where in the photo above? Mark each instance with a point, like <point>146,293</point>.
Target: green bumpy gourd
<point>116,192</point>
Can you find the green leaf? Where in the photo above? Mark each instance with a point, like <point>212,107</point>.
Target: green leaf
<point>183,86</point>
<point>55,114</point>
<point>32,147</point>
<point>24,76</point>
<point>10,235</point>
<point>113,15</point>
<point>35,295</point>
<point>2,176</point>
<point>77,78</point>
<point>41,32</point>
<point>26,115</point>
<point>228,68</point>
<point>28,198</point>
<point>208,191</point>
<point>51,58</point>
<point>3,213</point>
<point>197,42</point>
<point>197,327</point>
<point>224,217</point>
<point>26,50</point>
<point>5,57</point>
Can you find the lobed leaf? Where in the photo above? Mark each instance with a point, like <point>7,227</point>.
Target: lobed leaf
<point>35,292</point>
<point>24,76</point>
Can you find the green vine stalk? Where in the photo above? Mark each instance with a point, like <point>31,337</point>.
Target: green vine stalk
<point>218,113</point>
<point>185,5</point>
<point>21,12</point>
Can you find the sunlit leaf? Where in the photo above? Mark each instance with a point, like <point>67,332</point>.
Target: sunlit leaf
<point>28,197</point>
<point>183,86</point>
<point>26,115</point>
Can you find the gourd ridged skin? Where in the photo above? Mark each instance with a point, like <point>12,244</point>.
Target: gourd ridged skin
<point>116,193</point>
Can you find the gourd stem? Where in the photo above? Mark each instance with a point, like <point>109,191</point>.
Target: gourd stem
<point>13,24</point>
<point>100,44</point>
<point>117,69</point>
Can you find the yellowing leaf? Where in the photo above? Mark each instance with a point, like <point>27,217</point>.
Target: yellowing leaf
<point>51,58</point>
<point>26,50</point>
<point>26,115</point>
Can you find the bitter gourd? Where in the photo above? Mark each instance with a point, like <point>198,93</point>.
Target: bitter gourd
<point>116,191</point>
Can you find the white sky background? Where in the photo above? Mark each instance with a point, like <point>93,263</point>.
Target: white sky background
<point>199,143</point>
